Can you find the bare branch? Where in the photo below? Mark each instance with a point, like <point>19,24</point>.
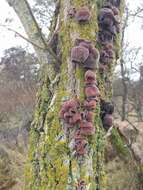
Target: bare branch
<point>34,33</point>
<point>20,35</point>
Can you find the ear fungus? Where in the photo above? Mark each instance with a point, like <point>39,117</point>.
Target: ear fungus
<point>115,3</point>
<point>106,107</point>
<point>82,42</point>
<point>80,145</point>
<point>105,36</point>
<point>115,10</point>
<point>90,77</point>
<point>69,112</point>
<point>106,18</point>
<point>107,54</point>
<point>90,105</point>
<point>92,91</point>
<point>76,118</point>
<point>83,15</point>
<point>79,54</point>
<point>88,116</point>
<point>86,44</point>
<point>104,57</point>
<point>86,128</point>
<point>92,60</point>
<point>107,121</point>
<point>102,68</point>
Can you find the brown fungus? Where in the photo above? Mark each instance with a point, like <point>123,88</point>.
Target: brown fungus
<point>86,128</point>
<point>115,10</point>
<point>106,54</point>
<point>92,60</point>
<point>70,113</point>
<point>88,116</point>
<point>83,15</point>
<point>105,36</point>
<point>104,57</point>
<point>90,77</point>
<point>115,3</point>
<point>106,18</point>
<point>80,146</point>
<point>92,91</point>
<point>102,68</point>
<point>107,107</point>
<point>90,105</point>
<point>75,119</point>
<point>79,54</point>
<point>82,42</point>
<point>107,121</point>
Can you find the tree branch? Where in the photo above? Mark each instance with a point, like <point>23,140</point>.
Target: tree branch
<point>21,36</point>
<point>42,49</point>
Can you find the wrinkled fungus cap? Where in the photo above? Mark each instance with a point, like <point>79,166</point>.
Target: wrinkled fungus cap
<point>91,91</point>
<point>83,15</point>
<point>90,77</point>
<point>79,54</point>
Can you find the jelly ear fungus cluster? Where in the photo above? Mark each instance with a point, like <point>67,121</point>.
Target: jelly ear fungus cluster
<point>109,27</point>
<point>78,117</point>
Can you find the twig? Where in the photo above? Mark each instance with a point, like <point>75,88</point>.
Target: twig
<point>26,39</point>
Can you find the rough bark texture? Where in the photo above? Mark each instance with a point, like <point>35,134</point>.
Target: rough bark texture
<point>51,165</point>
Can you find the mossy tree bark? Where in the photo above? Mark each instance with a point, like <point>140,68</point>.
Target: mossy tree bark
<point>51,165</point>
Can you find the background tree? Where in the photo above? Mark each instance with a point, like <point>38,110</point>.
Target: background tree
<point>18,86</point>
<point>129,68</point>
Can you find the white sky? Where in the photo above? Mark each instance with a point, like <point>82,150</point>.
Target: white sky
<point>8,39</point>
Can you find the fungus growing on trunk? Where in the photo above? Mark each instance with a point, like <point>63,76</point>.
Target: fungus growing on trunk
<point>90,105</point>
<point>115,3</point>
<point>79,54</point>
<point>86,128</point>
<point>70,112</point>
<point>107,107</point>
<point>115,10</point>
<point>105,36</point>
<point>80,146</point>
<point>89,116</point>
<point>75,119</point>
<point>92,91</point>
<point>90,77</point>
<point>106,55</point>
<point>107,121</point>
<point>102,68</point>
<point>106,18</point>
<point>83,15</point>
<point>92,61</point>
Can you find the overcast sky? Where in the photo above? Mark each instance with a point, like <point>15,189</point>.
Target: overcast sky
<point>8,39</point>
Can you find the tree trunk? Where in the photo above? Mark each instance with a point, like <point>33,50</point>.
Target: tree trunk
<point>52,165</point>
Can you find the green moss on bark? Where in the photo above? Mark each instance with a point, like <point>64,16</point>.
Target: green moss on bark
<point>52,166</point>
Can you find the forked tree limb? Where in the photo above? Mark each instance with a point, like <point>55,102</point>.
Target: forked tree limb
<point>34,33</point>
